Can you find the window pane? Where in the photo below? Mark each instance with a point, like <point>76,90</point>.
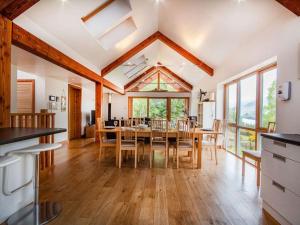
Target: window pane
<point>158,108</point>
<point>268,113</point>
<point>177,108</point>
<point>231,139</point>
<point>231,103</point>
<point>247,140</point>
<point>248,102</point>
<point>139,107</point>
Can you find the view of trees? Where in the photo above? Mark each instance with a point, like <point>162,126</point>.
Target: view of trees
<point>269,109</point>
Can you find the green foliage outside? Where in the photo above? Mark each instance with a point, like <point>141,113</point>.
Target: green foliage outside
<point>269,109</point>
<point>158,108</point>
<point>177,108</point>
<point>139,107</point>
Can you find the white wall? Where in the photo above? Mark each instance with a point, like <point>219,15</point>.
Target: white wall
<point>281,40</point>
<point>45,86</point>
<point>120,102</point>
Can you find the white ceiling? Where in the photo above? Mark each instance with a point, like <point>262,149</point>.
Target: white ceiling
<point>210,29</point>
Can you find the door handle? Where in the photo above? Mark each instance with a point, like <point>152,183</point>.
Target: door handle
<point>279,157</point>
<point>279,186</point>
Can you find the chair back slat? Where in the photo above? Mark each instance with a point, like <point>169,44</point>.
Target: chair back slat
<point>159,129</point>
<point>185,130</point>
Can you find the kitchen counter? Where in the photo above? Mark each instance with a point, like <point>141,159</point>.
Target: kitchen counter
<point>293,139</point>
<point>10,135</point>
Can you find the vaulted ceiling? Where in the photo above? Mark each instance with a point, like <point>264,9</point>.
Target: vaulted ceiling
<point>209,29</point>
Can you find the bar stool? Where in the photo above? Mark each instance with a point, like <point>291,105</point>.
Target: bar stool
<point>8,160</point>
<point>37,212</point>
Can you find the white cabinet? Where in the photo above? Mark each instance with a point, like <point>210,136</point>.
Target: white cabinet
<point>206,114</point>
<point>281,179</point>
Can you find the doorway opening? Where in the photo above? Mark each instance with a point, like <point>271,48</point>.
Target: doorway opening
<point>74,113</point>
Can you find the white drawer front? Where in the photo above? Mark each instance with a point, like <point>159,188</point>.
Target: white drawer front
<point>281,148</point>
<point>281,169</point>
<point>281,199</point>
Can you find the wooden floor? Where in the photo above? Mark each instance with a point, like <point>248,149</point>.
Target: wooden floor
<point>98,193</point>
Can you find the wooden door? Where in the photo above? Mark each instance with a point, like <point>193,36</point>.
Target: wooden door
<point>25,96</point>
<point>74,112</point>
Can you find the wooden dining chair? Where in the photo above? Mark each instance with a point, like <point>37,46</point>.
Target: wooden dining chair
<point>105,143</point>
<point>185,139</point>
<point>211,141</point>
<point>159,139</point>
<point>256,155</point>
<point>128,142</point>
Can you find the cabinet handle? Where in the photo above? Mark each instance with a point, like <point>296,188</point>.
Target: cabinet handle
<point>281,144</point>
<point>280,187</point>
<point>279,157</point>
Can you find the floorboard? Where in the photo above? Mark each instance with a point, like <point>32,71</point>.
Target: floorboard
<point>94,192</point>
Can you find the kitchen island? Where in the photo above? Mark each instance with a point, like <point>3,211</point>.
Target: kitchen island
<point>16,180</point>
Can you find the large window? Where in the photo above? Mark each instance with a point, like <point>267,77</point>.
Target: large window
<point>158,108</point>
<point>250,106</point>
<point>139,107</point>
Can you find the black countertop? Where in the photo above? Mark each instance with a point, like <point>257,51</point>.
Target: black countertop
<point>10,135</point>
<point>293,139</point>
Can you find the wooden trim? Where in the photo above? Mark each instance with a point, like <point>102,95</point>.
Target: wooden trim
<point>97,10</point>
<point>157,36</point>
<point>292,5</point>
<point>177,77</point>
<point>71,86</point>
<point>5,70</point>
<point>258,73</point>
<point>32,81</point>
<point>168,105</point>
<point>186,54</point>
<point>27,41</point>
<point>270,218</point>
<point>139,77</point>
<point>13,8</point>
<point>4,4</point>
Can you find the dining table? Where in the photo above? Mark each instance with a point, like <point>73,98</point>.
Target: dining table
<point>172,133</point>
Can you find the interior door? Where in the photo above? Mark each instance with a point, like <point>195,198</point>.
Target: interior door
<point>25,96</point>
<point>74,112</point>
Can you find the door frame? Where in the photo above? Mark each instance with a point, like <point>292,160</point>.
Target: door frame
<point>72,86</point>
<point>32,81</point>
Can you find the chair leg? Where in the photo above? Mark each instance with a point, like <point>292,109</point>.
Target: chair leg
<point>150,158</point>
<point>211,154</point>
<point>166,159</point>
<point>193,155</point>
<point>177,158</point>
<point>120,158</point>
<point>216,155</point>
<point>135,158</point>
<point>243,165</point>
<point>258,174</point>
<point>100,153</point>
<point>143,151</point>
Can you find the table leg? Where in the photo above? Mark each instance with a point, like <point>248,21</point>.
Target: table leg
<point>199,155</point>
<point>118,148</point>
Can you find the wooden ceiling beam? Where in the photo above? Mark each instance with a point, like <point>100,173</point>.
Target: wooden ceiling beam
<point>164,39</point>
<point>292,5</point>
<point>122,59</point>
<point>11,9</point>
<point>140,77</point>
<point>177,77</point>
<point>97,10</point>
<point>27,41</point>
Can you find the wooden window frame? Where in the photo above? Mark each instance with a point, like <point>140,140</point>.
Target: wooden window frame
<point>130,104</point>
<point>258,129</point>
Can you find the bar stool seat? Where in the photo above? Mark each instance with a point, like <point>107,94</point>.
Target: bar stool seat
<point>36,213</point>
<point>37,149</point>
<point>8,160</point>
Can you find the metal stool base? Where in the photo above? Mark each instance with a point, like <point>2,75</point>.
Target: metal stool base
<point>28,215</point>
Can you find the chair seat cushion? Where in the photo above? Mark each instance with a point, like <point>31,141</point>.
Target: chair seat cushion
<point>256,154</point>
<point>185,144</point>
<point>109,141</point>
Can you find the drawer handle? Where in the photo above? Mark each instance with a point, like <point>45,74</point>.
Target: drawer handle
<point>281,144</point>
<point>279,157</point>
<point>280,187</point>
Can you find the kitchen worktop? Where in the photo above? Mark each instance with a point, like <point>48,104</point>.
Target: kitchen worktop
<point>11,135</point>
<point>293,139</point>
